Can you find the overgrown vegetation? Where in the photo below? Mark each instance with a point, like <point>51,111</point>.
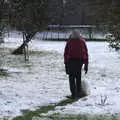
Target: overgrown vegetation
<point>107,13</point>
<point>3,21</point>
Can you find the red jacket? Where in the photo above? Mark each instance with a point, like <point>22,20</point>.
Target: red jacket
<point>76,48</point>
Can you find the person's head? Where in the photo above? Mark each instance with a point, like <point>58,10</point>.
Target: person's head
<point>75,34</point>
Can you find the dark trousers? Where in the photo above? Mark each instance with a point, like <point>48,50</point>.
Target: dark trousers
<point>74,69</point>
<point>75,83</point>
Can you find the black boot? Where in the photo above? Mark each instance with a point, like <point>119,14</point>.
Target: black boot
<point>71,97</point>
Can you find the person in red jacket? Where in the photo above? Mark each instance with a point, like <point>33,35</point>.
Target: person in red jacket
<point>75,55</point>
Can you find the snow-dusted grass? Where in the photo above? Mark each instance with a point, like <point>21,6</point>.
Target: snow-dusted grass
<point>40,114</point>
<point>31,84</point>
<point>42,81</point>
<point>29,115</point>
<point>103,79</point>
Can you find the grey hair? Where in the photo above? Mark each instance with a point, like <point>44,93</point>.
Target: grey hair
<point>75,33</point>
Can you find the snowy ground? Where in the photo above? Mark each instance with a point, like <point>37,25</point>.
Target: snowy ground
<point>42,81</point>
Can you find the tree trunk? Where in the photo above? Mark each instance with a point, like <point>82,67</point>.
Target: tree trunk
<point>20,50</point>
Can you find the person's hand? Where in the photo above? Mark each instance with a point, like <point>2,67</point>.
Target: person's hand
<point>86,68</point>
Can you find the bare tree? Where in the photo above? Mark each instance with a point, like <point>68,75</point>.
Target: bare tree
<point>29,17</point>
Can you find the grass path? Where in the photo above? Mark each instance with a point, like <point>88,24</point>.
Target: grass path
<point>28,115</point>
<point>37,114</point>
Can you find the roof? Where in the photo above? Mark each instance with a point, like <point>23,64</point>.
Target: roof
<point>71,26</point>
